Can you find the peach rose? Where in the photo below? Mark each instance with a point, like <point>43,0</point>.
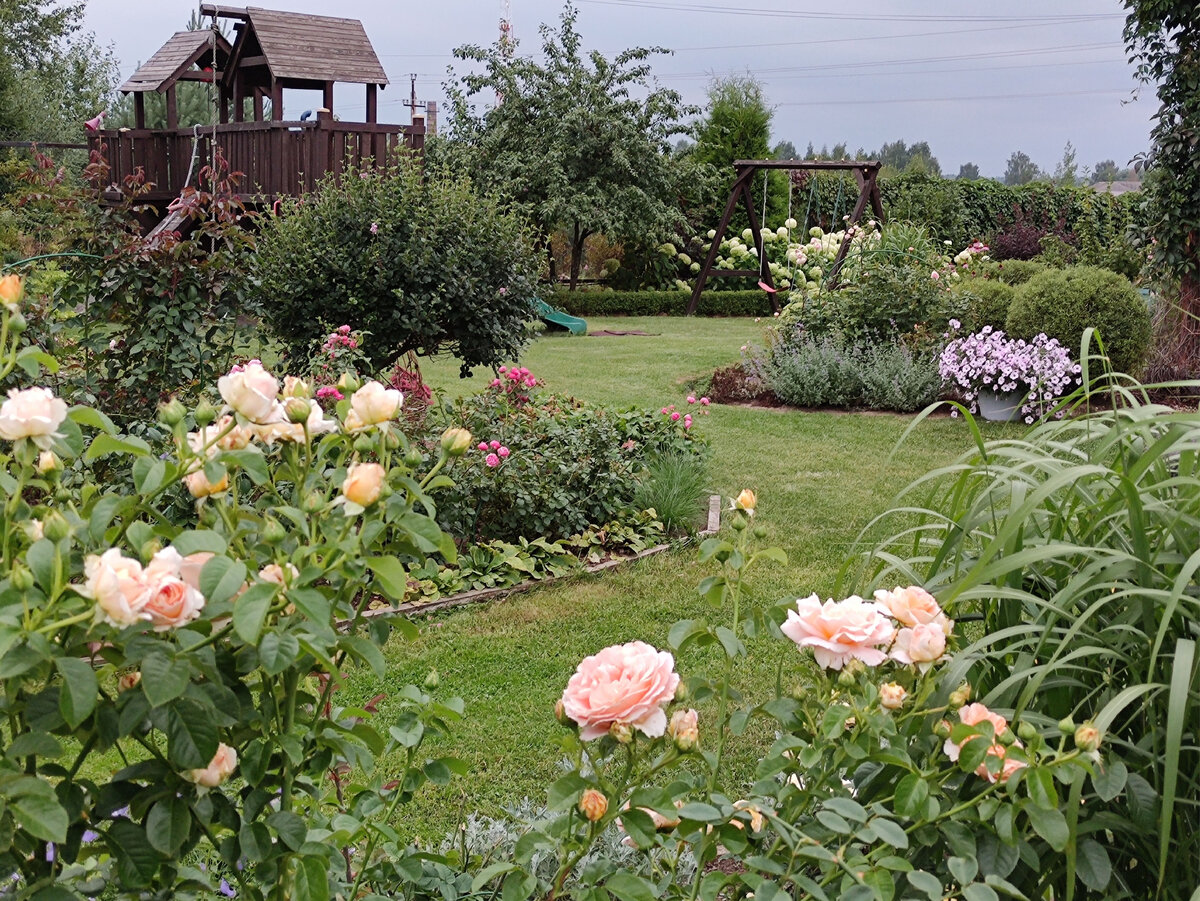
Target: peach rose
<point>593,804</point>
<point>913,606</point>
<point>128,681</point>
<point>684,729</point>
<point>172,601</point>
<point>250,390</point>
<point>627,684</point>
<point>119,587</point>
<point>362,487</point>
<point>224,434</point>
<point>11,290</point>
<point>200,487</point>
<point>273,572</point>
<point>32,413</point>
<point>219,769</point>
<point>190,566</point>
<point>294,386</point>
<point>839,631</point>
<point>746,502</point>
<point>922,645</point>
<point>891,695</point>
<point>973,715</point>
<point>280,428</point>
<point>373,403</point>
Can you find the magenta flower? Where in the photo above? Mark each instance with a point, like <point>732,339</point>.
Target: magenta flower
<point>704,401</point>
<point>675,417</point>
<point>691,399</point>
<point>494,444</point>
<point>492,460</point>
<point>503,451</point>
<point>483,446</point>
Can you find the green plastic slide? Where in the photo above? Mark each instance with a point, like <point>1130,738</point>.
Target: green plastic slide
<point>547,313</point>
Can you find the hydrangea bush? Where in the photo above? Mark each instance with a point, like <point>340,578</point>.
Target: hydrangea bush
<point>1040,370</point>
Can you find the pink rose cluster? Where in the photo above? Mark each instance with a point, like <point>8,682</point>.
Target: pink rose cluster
<point>622,688</point>
<point>906,625</point>
<point>973,715</point>
<point>496,452</point>
<point>514,377</point>
<point>164,593</point>
<point>339,338</point>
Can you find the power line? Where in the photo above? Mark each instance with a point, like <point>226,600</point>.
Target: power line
<point>978,98</point>
<point>846,16</point>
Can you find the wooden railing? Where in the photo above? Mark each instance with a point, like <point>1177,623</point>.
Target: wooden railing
<point>276,158</point>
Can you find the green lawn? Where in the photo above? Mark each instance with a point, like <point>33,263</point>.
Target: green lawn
<point>819,476</point>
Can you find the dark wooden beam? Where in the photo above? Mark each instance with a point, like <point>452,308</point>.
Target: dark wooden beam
<point>258,105</point>
<point>372,102</point>
<point>276,101</point>
<point>327,96</point>
<point>843,165</point>
<point>239,100</point>
<point>197,75</point>
<point>172,109</point>
<point>247,61</point>
<point>715,248</point>
<point>139,109</point>
<point>224,12</point>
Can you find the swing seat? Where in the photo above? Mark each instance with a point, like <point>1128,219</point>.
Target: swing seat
<point>768,288</point>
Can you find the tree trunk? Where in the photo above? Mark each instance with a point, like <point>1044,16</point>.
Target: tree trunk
<point>549,245</point>
<point>579,239</point>
<point>1187,345</point>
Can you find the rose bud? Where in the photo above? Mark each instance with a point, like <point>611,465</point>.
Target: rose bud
<point>593,804</point>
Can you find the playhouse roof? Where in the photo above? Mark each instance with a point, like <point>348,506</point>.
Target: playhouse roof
<point>315,48</point>
<point>174,58</point>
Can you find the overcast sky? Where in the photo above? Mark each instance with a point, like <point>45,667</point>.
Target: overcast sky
<point>976,80</point>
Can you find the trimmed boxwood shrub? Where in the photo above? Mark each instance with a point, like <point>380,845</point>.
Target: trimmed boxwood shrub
<point>1013,272</point>
<point>417,259</point>
<point>1064,302</point>
<point>986,302</point>
<point>661,303</point>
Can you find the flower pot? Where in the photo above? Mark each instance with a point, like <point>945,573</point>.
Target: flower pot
<point>1000,406</point>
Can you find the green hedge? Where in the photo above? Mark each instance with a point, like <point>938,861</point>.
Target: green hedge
<point>660,303</point>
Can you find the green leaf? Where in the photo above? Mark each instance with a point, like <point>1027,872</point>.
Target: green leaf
<point>834,822</point>
<point>365,650</point>
<point>91,417</point>
<point>149,473</point>
<point>1040,785</point>
<point>927,883</point>
<point>639,826</point>
<point>1050,824</point>
<point>221,579</point>
<point>250,610</point>
<point>977,891</point>
<point>168,825</point>
<point>565,792</point>
<point>488,873</point>
<point>963,869</point>
<point>41,558</point>
<point>39,744</point>
<point>847,807</point>
<point>37,809</point>
<point>80,689</point>
<point>313,604</point>
<point>137,861</point>
<point>1094,867</point>
<point>628,887</point>
<point>107,444</point>
<point>191,734</point>
<point>889,831</point>
<point>290,827</point>
<point>1108,778</point>
<point>390,575</point>
<point>423,530</point>
<point>704,813</point>
<point>277,651</point>
<point>255,841</point>
<point>164,679</point>
<point>911,794</point>
<point>32,358</point>
<point>252,462</point>
<point>199,540</point>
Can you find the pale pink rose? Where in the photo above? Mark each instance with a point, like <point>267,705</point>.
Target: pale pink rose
<point>375,404</point>
<point>627,684</point>
<point>273,572</point>
<point>354,422</point>
<point>219,769</point>
<point>913,606</point>
<point>362,487</point>
<point>190,566</point>
<point>33,413</point>
<point>119,587</point>
<point>279,428</point>
<point>294,386</point>
<point>973,715</point>
<point>839,631</point>
<point>684,729</point>
<point>922,645</point>
<point>200,487</point>
<point>224,434</point>
<point>250,391</point>
<point>891,695</point>
<point>172,602</point>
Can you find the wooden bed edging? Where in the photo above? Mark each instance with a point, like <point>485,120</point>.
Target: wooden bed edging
<point>486,594</point>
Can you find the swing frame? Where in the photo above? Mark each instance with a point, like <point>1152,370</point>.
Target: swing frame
<point>865,172</point>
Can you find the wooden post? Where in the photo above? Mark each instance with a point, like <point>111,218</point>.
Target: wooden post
<point>734,195</point>
<point>372,103</point>
<point>764,269</point>
<point>223,106</point>
<point>276,100</point>
<point>327,98</point>
<point>139,109</point>
<point>172,110</point>
<point>258,104</point>
<point>239,99</point>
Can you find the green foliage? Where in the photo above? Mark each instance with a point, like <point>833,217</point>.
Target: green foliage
<point>418,259</point>
<point>829,371</point>
<point>674,486</point>
<point>154,316</point>
<point>579,142</point>
<point>1021,170</point>
<point>1013,272</point>
<point>659,303</point>
<point>1076,543</point>
<point>985,302</point>
<point>1063,303</point>
<point>552,465</point>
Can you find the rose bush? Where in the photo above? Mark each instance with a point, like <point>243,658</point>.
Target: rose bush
<point>170,677</point>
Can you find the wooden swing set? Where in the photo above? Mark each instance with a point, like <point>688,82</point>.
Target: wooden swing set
<point>867,175</point>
